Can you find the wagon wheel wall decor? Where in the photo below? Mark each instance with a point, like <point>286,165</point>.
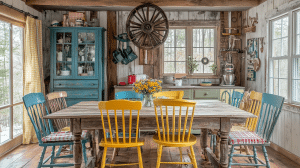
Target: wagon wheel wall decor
<point>147,26</point>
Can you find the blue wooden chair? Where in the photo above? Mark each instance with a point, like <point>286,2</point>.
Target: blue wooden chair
<point>129,95</point>
<point>235,101</point>
<point>35,104</point>
<point>236,98</point>
<point>271,106</point>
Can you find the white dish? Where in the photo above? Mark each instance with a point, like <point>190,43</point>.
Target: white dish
<point>65,73</point>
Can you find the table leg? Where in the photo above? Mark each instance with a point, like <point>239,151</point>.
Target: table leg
<point>203,142</point>
<point>99,154</point>
<point>225,129</point>
<point>77,151</point>
<point>94,151</point>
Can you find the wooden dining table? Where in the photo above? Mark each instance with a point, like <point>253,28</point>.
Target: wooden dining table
<point>209,115</point>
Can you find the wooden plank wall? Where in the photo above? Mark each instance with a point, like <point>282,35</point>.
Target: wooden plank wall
<point>286,132</point>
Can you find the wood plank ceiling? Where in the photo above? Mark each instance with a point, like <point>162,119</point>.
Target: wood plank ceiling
<point>216,5</point>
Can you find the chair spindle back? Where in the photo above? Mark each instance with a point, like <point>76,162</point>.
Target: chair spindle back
<point>236,98</point>
<point>56,102</point>
<point>35,104</point>
<point>120,105</point>
<point>129,95</point>
<point>254,108</point>
<point>269,113</point>
<point>224,98</point>
<point>184,109</point>
<point>170,94</point>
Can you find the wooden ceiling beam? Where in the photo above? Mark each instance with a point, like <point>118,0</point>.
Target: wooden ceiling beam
<point>104,3</point>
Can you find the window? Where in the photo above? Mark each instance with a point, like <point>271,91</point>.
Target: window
<point>284,56</point>
<point>198,42</point>
<point>11,81</point>
<point>279,57</point>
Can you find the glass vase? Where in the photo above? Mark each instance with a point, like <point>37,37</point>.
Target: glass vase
<point>148,100</point>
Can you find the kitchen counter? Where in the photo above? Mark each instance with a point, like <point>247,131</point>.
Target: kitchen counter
<point>187,87</point>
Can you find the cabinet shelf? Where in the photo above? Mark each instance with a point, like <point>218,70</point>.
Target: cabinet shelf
<point>86,62</point>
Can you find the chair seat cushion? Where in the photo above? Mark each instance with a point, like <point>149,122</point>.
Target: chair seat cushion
<point>245,137</point>
<point>62,136</point>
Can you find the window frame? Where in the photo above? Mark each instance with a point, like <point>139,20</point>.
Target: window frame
<point>189,48</point>
<point>11,103</point>
<point>291,15</point>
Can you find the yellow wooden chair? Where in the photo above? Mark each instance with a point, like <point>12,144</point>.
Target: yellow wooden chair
<point>176,136</point>
<point>254,108</point>
<point>56,102</point>
<point>170,94</point>
<point>120,142</point>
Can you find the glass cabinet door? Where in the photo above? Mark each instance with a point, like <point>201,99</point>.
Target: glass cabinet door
<point>63,53</point>
<point>86,57</point>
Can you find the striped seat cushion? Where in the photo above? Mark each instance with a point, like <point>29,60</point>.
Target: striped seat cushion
<point>62,136</point>
<point>245,137</point>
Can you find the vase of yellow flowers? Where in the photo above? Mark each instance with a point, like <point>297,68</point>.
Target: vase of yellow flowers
<point>147,87</point>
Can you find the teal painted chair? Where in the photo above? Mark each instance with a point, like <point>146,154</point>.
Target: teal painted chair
<point>129,95</point>
<point>35,104</point>
<point>235,101</point>
<point>236,98</point>
<point>271,106</point>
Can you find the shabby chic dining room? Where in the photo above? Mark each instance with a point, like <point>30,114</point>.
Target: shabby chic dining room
<point>149,83</point>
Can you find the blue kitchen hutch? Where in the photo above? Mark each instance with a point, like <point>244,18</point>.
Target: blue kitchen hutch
<point>77,62</point>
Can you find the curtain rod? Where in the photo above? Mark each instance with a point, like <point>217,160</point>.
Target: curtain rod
<point>19,10</point>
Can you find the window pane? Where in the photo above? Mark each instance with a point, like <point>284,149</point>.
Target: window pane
<point>296,90</point>
<point>169,54</point>
<point>283,67</point>
<point>180,54</point>
<point>180,67</point>
<point>180,37</point>
<point>208,37</point>
<point>200,67</point>
<point>275,68</point>
<point>4,125</point>
<point>298,45</point>
<point>275,88</point>
<point>4,62</point>
<point>198,53</point>
<point>285,27</point>
<point>197,37</point>
<point>283,88</point>
<point>207,68</point>
<point>276,51</point>
<point>169,67</point>
<point>285,45</point>
<point>298,22</point>
<point>209,53</point>
<point>296,68</point>
<point>271,86</point>
<point>17,64</point>
<point>276,29</point>
<point>170,40</point>
<point>18,120</point>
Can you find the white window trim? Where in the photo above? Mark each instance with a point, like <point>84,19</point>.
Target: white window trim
<point>291,51</point>
<point>189,47</point>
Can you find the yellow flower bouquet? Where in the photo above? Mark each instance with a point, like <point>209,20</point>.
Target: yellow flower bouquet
<point>147,86</point>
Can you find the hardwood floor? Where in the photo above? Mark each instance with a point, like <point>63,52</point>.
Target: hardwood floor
<point>27,156</point>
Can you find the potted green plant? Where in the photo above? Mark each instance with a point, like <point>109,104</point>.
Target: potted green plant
<point>192,65</point>
<point>214,68</point>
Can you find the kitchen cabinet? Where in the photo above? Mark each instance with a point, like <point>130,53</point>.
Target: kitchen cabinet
<point>77,62</point>
<point>196,92</point>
